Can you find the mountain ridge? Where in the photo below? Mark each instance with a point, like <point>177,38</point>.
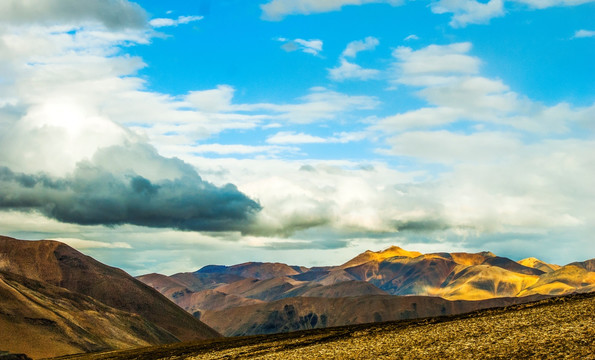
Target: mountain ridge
<point>393,272</point>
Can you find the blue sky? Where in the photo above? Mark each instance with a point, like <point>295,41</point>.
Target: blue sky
<point>341,125</point>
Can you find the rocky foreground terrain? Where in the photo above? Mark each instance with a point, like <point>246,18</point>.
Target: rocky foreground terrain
<point>555,328</point>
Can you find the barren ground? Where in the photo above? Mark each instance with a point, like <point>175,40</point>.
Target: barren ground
<point>557,328</point>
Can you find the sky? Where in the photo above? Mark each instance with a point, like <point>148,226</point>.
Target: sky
<point>162,136</point>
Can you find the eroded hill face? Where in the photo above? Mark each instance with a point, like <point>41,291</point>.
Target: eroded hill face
<point>43,320</point>
<point>60,265</point>
<point>251,298</point>
<point>56,301</point>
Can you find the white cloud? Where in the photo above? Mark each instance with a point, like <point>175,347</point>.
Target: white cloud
<point>348,70</point>
<point>290,137</point>
<point>213,100</point>
<point>449,80</point>
<point>446,147</point>
<point>312,46</point>
<point>354,47</point>
<point>278,9</point>
<point>469,11</point>
<point>464,12</point>
<point>434,64</point>
<point>411,37</point>
<point>226,149</point>
<point>319,105</point>
<point>81,244</point>
<point>162,22</point>
<point>584,34</point>
<point>543,4</point>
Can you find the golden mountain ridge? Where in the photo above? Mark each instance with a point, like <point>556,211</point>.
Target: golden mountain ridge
<point>378,280</point>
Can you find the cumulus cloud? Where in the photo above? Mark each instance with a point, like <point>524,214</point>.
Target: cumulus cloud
<point>542,4</point>
<point>130,185</point>
<point>583,34</point>
<point>312,46</point>
<point>277,9</point>
<point>355,47</point>
<point>464,12</point>
<point>320,104</point>
<point>448,78</point>
<point>469,11</point>
<point>114,14</point>
<point>163,22</point>
<point>348,70</point>
<point>446,147</point>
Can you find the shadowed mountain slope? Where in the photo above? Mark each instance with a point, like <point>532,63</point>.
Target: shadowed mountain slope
<point>255,270</point>
<point>43,320</point>
<point>302,313</point>
<point>60,265</point>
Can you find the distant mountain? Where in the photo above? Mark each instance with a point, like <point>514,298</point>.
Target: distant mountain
<point>538,264</point>
<point>445,278</point>
<point>253,270</point>
<point>56,264</point>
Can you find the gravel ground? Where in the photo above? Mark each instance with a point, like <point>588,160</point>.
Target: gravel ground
<point>558,328</point>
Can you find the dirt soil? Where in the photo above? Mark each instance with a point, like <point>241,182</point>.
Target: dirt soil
<point>556,328</point>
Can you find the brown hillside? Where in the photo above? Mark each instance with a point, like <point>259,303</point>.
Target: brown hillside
<point>301,313</point>
<point>255,270</point>
<point>43,320</point>
<point>61,265</point>
<point>344,289</point>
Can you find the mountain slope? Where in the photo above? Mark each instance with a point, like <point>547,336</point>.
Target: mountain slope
<point>555,328</point>
<point>567,279</point>
<point>302,313</point>
<point>378,256</point>
<point>255,270</point>
<point>538,264</point>
<point>43,320</point>
<point>60,265</point>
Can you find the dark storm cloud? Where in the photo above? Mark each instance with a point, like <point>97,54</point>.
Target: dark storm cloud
<point>95,194</point>
<point>115,14</point>
<point>423,225</point>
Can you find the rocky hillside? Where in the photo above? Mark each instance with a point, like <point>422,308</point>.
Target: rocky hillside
<point>45,320</point>
<point>53,292</point>
<point>556,328</point>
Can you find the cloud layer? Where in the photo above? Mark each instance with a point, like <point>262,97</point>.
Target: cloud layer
<point>103,192</point>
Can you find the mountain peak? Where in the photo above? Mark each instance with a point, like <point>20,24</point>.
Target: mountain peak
<point>387,253</point>
<point>487,254</point>
<point>535,263</point>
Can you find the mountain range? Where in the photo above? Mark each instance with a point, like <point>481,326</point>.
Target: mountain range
<point>263,298</point>
<point>55,301</point>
